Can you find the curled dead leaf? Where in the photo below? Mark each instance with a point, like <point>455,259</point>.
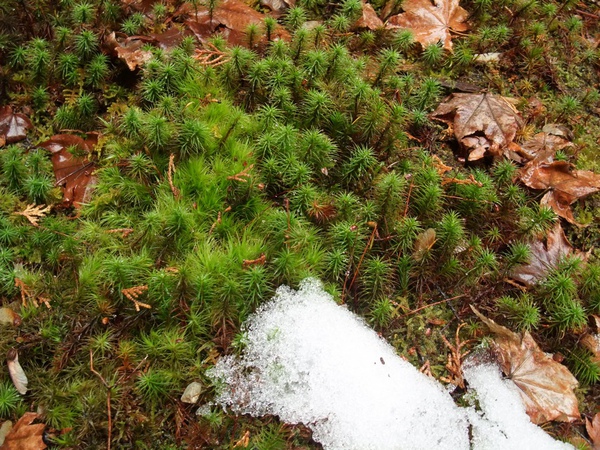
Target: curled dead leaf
<point>545,257</point>
<point>25,435</point>
<point>423,243</point>
<point>16,372</point>
<point>546,386</point>
<point>565,185</point>
<point>13,126</point>
<point>128,49</point>
<point>483,124</point>
<point>431,20</point>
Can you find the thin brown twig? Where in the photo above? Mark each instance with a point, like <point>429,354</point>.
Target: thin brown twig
<point>170,173</point>
<point>108,406</point>
<point>433,304</point>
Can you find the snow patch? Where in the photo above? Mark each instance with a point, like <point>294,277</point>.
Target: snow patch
<point>308,360</point>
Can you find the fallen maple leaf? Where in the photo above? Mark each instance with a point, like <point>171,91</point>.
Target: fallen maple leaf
<point>13,126</point>
<point>128,49</point>
<point>545,385</point>
<point>545,257</point>
<point>545,144</point>
<point>34,213</point>
<point>431,20</point>
<point>25,435</point>
<point>593,430</point>
<point>483,123</point>
<point>565,184</point>
<point>73,173</point>
<point>231,18</point>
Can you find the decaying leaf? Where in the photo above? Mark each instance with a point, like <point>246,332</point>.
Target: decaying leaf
<point>545,257</point>
<point>565,185</point>
<point>73,173</point>
<point>278,7</point>
<point>484,124</point>
<point>423,243</point>
<point>128,49</point>
<point>231,19</point>
<point>13,126</point>
<point>593,429</point>
<point>544,144</point>
<point>4,430</point>
<point>9,317</point>
<point>16,372</point>
<point>192,393</point>
<point>34,213</point>
<point>592,343</point>
<point>431,20</point>
<point>546,386</point>
<point>369,18</point>
<point>25,435</point>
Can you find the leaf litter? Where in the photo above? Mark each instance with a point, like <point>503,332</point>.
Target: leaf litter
<point>26,435</point>
<point>431,21</point>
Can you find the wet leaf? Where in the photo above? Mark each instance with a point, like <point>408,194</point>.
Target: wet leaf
<point>483,124</point>
<point>25,435</point>
<point>13,126</point>
<point>231,18</point>
<point>545,257</point>
<point>593,429</point>
<point>565,185</point>
<point>369,18</point>
<point>16,372</point>
<point>431,20</point>
<point>545,385</point>
<point>73,173</point>
<point>544,145</point>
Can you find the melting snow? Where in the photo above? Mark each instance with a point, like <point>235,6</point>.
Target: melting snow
<point>308,360</point>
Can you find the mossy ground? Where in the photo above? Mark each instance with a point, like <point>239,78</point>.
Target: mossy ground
<point>313,157</point>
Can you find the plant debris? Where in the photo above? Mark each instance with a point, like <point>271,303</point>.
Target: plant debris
<point>431,21</point>
<point>484,124</point>
<point>13,126</point>
<point>16,372</point>
<point>25,435</point>
<point>546,386</point>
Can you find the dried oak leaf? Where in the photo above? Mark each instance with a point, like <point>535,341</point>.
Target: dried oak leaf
<point>565,185</point>
<point>231,19</point>
<point>593,430</point>
<point>546,386</point>
<point>73,173</point>
<point>368,18</point>
<point>545,257</point>
<point>431,20</point>
<point>13,126</point>
<point>483,123</point>
<point>25,435</point>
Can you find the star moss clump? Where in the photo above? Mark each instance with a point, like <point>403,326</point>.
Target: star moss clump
<point>224,170</point>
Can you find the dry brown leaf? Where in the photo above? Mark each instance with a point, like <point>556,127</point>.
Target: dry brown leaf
<point>545,385</point>
<point>231,19</point>
<point>73,173</point>
<point>278,7</point>
<point>369,18</point>
<point>423,243</point>
<point>543,146</point>
<point>13,126</point>
<point>593,430</point>
<point>128,49</point>
<point>431,20</point>
<point>565,184</point>
<point>34,213</point>
<point>16,372</point>
<point>592,343</point>
<point>25,435</point>
<point>483,123</point>
<point>545,257</point>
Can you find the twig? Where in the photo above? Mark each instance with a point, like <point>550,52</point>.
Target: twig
<point>362,257</point>
<point>213,58</point>
<point>133,293</point>
<point>108,407</point>
<point>242,176</point>
<point>433,304</point>
<point>170,173</point>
